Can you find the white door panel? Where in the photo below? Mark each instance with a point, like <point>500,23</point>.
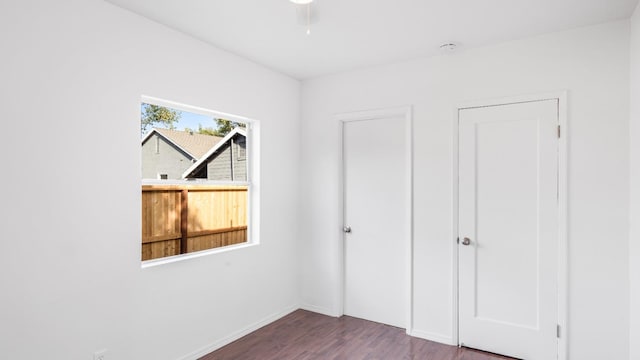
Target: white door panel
<point>509,212</point>
<point>376,208</point>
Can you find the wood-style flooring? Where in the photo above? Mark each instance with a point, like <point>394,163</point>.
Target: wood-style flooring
<point>306,335</point>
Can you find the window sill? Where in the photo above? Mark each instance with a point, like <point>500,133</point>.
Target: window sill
<point>177,258</point>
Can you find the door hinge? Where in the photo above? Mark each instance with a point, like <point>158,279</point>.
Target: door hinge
<point>558,131</point>
<point>558,331</point>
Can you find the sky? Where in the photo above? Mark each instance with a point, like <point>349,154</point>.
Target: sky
<point>189,120</point>
<point>192,120</point>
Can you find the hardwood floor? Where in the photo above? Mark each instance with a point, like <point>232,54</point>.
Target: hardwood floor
<point>306,335</point>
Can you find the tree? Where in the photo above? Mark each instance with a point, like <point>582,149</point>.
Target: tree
<point>202,130</point>
<point>151,115</point>
<point>226,126</point>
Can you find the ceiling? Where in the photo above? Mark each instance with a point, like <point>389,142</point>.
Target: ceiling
<point>350,34</point>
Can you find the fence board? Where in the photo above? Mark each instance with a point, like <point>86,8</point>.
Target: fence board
<point>214,216</point>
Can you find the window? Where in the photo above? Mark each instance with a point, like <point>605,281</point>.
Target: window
<point>196,193</point>
<point>242,149</point>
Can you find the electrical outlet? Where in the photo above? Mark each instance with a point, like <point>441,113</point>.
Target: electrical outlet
<point>100,355</point>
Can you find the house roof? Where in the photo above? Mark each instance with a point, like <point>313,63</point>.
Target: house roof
<point>203,159</point>
<point>192,143</point>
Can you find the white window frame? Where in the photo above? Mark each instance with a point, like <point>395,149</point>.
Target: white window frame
<point>252,143</point>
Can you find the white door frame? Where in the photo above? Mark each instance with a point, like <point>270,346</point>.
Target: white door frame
<point>405,113</point>
<point>563,248</point>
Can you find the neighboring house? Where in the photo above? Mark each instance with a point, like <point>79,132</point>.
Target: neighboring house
<point>166,154</point>
<point>226,160</point>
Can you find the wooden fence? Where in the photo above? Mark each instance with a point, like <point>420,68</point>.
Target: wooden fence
<point>179,219</point>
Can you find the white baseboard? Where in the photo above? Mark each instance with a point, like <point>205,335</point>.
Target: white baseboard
<point>237,335</point>
<point>319,310</point>
<point>439,338</point>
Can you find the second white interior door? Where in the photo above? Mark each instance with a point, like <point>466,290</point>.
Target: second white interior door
<point>508,226</point>
<point>376,208</point>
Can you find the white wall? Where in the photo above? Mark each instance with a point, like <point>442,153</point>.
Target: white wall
<point>634,235</point>
<point>592,64</point>
<point>72,75</point>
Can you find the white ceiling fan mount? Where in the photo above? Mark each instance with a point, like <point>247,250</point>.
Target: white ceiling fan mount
<point>305,6</point>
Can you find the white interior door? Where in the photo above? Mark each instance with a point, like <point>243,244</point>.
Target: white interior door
<point>508,213</point>
<point>377,210</point>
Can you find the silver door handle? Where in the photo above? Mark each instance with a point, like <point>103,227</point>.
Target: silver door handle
<point>346,229</point>
<point>466,241</point>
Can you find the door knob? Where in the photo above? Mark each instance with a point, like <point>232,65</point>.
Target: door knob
<point>346,229</point>
<point>466,241</point>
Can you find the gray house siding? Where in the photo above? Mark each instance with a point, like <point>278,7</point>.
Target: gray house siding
<point>161,157</point>
<point>219,164</point>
